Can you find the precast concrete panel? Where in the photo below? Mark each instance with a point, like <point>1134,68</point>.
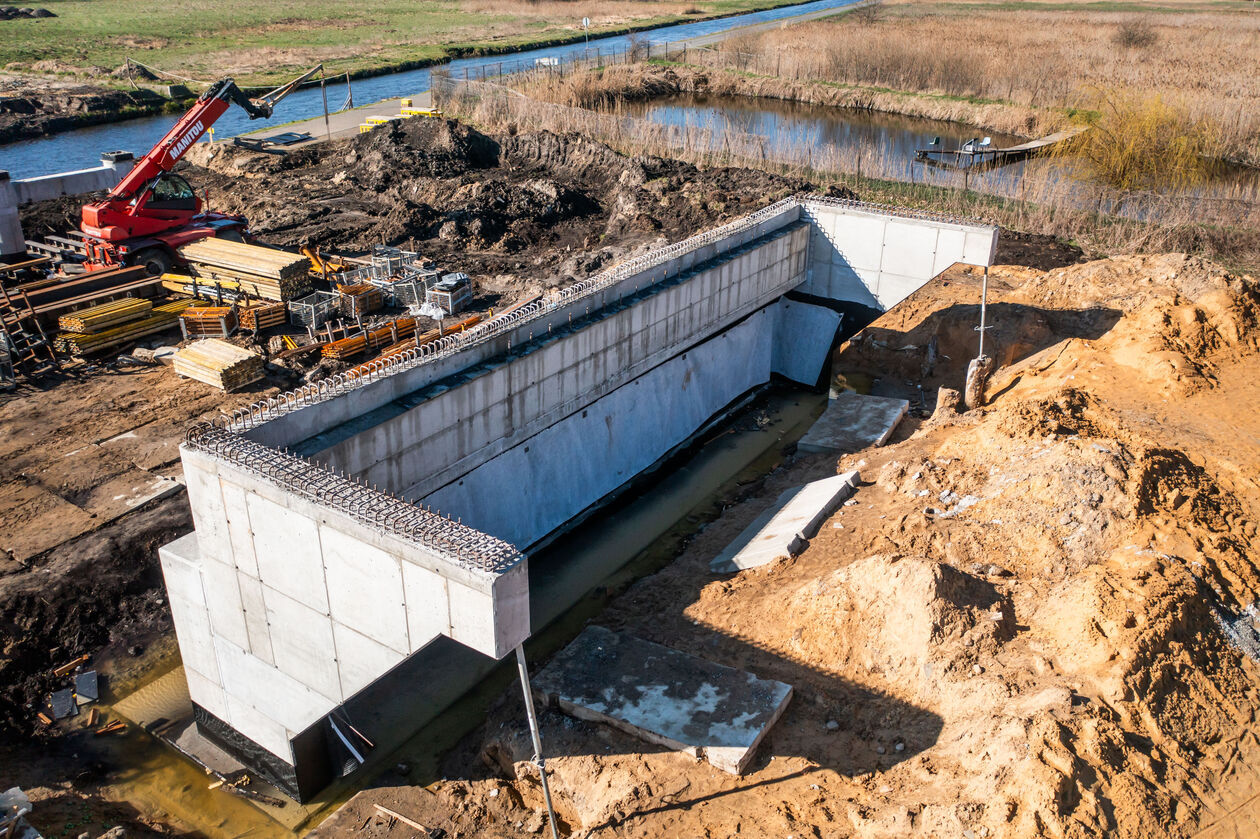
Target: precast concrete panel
<point>287,547</point>
<point>195,637</point>
<point>909,249</point>
<point>240,533</point>
<point>255,617</point>
<point>227,614</point>
<point>802,340</point>
<point>209,517</point>
<point>260,728</point>
<point>302,643</point>
<point>360,660</point>
<point>428,610</point>
<point>273,693</point>
<point>206,693</point>
<point>365,589</point>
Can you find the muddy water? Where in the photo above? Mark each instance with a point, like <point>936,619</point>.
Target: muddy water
<point>570,582</point>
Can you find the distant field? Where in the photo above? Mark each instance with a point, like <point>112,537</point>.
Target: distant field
<point>263,41</point>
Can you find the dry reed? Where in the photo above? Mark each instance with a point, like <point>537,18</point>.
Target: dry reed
<point>1223,225</point>
<point>1027,56</point>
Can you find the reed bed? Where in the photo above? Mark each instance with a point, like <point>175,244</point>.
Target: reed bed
<point>1203,60</point>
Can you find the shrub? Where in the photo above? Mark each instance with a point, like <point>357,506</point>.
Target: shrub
<point>1135,34</point>
<point>1145,142</point>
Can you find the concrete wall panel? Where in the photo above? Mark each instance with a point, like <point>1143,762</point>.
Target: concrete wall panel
<point>360,660</point>
<point>255,608</point>
<point>227,615</point>
<point>365,589</point>
<point>207,694</point>
<point>875,259</point>
<point>802,340</point>
<point>287,548</point>
<point>260,728</point>
<point>271,692</point>
<point>428,614</point>
<point>302,643</point>
<point>240,534</point>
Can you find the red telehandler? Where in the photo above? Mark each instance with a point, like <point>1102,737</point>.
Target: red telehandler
<point>153,211</point>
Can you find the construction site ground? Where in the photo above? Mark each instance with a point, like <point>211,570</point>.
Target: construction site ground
<point>1036,619</point>
<point>1019,629</point>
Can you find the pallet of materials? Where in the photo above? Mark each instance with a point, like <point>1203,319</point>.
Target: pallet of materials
<point>218,363</point>
<point>426,337</point>
<point>359,299</point>
<point>160,319</point>
<point>207,322</point>
<point>262,272</point>
<point>263,315</point>
<point>101,317</point>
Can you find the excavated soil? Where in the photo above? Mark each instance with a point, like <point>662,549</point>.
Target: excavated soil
<point>1037,618</point>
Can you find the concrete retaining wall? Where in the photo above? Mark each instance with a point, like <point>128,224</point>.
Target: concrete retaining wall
<point>531,489</point>
<point>298,590</point>
<point>291,429</point>
<point>426,441</point>
<point>285,609</point>
<point>878,259</point>
<point>14,194</point>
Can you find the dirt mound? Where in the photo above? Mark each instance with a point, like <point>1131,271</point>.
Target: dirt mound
<point>545,208</point>
<point>895,617</point>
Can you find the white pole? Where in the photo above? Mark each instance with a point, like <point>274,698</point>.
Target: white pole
<point>533,730</point>
<point>984,303</point>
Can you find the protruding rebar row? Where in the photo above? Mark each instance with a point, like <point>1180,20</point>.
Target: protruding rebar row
<point>379,510</point>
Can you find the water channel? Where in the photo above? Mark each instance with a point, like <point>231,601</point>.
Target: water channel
<point>82,148</point>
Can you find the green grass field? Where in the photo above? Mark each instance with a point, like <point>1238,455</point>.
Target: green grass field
<point>265,41</point>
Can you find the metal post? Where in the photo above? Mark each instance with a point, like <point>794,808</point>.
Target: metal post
<point>349,92</point>
<point>533,730</point>
<point>984,305</point>
<point>323,89</point>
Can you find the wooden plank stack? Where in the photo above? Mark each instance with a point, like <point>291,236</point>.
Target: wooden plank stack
<point>160,319</point>
<point>263,315</point>
<point>105,315</point>
<point>261,272</point>
<point>208,322</point>
<point>218,363</point>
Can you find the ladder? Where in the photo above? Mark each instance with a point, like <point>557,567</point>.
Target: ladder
<point>26,348</point>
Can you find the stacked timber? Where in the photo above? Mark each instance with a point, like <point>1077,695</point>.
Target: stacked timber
<point>218,363</point>
<point>208,322</point>
<point>105,315</point>
<point>159,319</point>
<point>261,272</point>
<point>263,315</point>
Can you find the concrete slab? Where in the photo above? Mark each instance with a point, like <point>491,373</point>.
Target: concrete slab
<point>853,422</point>
<point>782,531</point>
<point>664,696</point>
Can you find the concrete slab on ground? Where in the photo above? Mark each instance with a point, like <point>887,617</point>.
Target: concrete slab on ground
<point>663,696</point>
<point>782,531</point>
<point>853,422</point>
